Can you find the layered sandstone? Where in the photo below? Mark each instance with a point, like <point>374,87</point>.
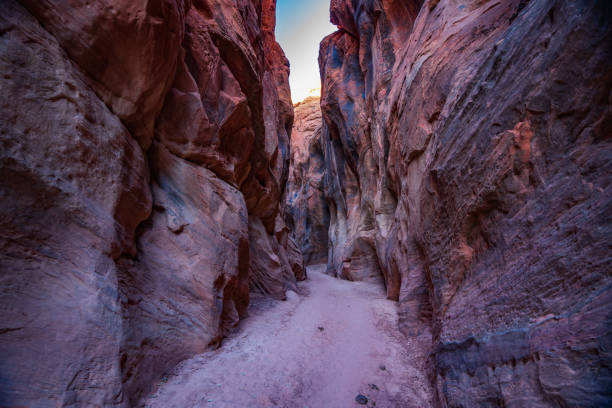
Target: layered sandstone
<point>144,149</point>
<point>305,203</point>
<point>467,159</point>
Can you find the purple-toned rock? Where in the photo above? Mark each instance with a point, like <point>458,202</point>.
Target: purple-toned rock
<point>142,145</point>
<point>73,188</point>
<point>468,157</point>
<point>305,203</point>
<point>127,48</point>
<point>189,284</point>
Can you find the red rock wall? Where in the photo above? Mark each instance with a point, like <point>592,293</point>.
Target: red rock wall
<point>144,147</point>
<point>468,159</point>
<point>305,202</point>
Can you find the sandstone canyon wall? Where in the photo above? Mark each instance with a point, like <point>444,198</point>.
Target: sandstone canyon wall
<point>144,148</point>
<point>307,212</point>
<point>467,161</point>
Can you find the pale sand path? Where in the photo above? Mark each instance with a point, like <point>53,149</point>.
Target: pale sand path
<point>280,358</point>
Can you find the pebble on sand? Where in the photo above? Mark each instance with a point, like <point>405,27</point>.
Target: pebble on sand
<point>361,399</point>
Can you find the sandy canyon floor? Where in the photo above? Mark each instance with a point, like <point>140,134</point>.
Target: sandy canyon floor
<point>320,348</point>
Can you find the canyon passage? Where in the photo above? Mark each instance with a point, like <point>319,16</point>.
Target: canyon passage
<point>334,341</point>
<point>433,230</point>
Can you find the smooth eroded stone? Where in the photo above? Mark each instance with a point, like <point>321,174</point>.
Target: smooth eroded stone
<point>104,105</point>
<point>189,284</point>
<point>73,188</point>
<point>127,48</point>
<point>467,155</point>
<point>305,203</point>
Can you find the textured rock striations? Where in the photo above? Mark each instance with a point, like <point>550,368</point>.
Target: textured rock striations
<point>467,160</point>
<point>144,147</point>
<point>307,211</point>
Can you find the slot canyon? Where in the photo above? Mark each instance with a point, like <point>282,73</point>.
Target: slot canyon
<point>177,229</point>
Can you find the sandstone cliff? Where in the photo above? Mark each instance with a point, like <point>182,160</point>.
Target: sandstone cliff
<point>467,161</point>
<point>306,207</point>
<point>144,148</point>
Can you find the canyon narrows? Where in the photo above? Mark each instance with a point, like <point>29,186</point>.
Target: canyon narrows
<point>158,196</point>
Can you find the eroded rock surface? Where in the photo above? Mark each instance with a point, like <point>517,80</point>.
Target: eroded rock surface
<point>468,159</point>
<point>73,188</point>
<point>305,203</point>
<point>144,147</point>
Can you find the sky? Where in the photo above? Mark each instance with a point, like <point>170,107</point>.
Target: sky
<point>300,27</point>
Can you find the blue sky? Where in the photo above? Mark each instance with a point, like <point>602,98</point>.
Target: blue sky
<point>300,27</point>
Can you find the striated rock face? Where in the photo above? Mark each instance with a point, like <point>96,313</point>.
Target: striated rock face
<point>144,147</point>
<point>467,156</point>
<point>74,186</point>
<point>127,49</point>
<point>305,201</point>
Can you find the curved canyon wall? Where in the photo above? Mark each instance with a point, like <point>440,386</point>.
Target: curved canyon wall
<point>467,161</point>
<point>307,212</point>
<point>144,148</point>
